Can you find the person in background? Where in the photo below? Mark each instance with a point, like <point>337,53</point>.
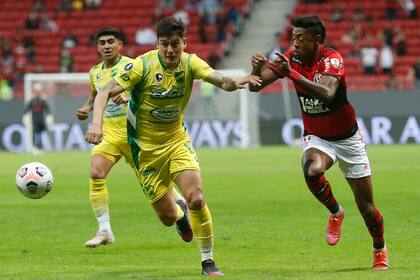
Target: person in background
<point>39,112</point>
<point>414,73</point>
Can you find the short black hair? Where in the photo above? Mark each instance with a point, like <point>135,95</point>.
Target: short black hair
<point>108,31</point>
<point>170,26</point>
<point>312,24</point>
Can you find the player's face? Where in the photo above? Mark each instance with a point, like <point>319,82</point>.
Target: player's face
<point>304,43</point>
<point>109,46</point>
<point>170,49</point>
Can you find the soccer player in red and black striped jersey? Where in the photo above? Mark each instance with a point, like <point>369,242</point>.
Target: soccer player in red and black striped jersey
<point>330,129</point>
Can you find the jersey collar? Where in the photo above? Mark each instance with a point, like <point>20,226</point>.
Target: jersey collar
<point>164,66</point>
<point>319,55</point>
<point>115,63</point>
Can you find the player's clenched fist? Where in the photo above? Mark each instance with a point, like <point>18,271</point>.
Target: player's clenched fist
<point>258,61</point>
<point>94,135</point>
<point>83,113</point>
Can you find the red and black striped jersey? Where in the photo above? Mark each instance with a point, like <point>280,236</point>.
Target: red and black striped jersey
<point>332,121</point>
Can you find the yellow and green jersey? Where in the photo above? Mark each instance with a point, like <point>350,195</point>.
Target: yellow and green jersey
<point>159,97</point>
<point>114,121</point>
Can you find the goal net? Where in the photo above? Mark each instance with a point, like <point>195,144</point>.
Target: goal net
<point>214,118</point>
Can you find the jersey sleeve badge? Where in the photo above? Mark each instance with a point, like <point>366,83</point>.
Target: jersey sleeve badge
<point>335,63</point>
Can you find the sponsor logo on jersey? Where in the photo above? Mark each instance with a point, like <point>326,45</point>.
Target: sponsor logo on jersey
<point>167,94</point>
<point>165,114</point>
<point>313,106</point>
<point>327,64</point>
<point>128,66</point>
<point>113,110</point>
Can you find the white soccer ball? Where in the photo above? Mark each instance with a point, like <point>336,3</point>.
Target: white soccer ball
<point>34,180</point>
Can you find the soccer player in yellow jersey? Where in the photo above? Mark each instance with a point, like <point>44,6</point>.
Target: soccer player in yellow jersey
<point>114,144</point>
<point>160,82</point>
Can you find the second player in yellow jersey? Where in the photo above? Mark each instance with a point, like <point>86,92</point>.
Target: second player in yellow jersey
<point>114,144</point>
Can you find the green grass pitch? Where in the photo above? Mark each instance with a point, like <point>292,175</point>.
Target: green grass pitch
<point>267,224</point>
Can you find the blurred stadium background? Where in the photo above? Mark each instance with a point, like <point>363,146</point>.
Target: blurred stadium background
<point>379,41</point>
<point>50,41</point>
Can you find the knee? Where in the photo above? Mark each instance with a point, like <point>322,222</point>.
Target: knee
<point>196,200</point>
<point>96,173</point>
<point>311,170</point>
<point>368,210</point>
<point>168,219</point>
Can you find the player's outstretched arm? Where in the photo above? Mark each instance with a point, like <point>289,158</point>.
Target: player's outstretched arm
<point>258,63</point>
<point>228,84</point>
<point>324,90</point>
<point>94,133</point>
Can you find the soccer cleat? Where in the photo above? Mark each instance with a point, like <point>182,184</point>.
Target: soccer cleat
<point>210,269</point>
<point>334,227</point>
<point>380,259</point>
<point>101,238</point>
<point>183,225</point>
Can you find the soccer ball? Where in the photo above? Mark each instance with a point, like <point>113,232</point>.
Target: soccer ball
<point>34,180</point>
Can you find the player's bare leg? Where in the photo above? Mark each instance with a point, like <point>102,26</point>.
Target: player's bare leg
<point>363,194</point>
<point>190,183</point>
<point>314,164</point>
<point>171,209</point>
<point>98,195</point>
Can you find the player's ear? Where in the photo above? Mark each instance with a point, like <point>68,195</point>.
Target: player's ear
<point>185,43</point>
<point>120,44</point>
<point>318,38</point>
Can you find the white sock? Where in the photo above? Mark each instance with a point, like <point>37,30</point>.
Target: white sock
<point>340,210</point>
<point>103,221</point>
<point>206,254</point>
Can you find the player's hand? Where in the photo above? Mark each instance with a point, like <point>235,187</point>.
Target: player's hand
<point>94,134</point>
<point>118,99</point>
<point>250,79</point>
<point>258,61</point>
<point>83,113</point>
<point>282,62</point>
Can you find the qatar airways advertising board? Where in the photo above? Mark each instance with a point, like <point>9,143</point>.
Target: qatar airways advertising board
<point>64,136</point>
<point>219,134</point>
<point>375,129</point>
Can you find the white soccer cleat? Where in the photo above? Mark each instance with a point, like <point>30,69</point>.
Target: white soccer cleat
<point>101,238</point>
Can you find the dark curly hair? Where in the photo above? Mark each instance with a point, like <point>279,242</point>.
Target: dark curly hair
<point>170,26</point>
<point>312,24</point>
<point>104,31</point>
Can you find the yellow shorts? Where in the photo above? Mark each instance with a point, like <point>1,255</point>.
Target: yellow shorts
<point>113,150</point>
<point>158,168</point>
